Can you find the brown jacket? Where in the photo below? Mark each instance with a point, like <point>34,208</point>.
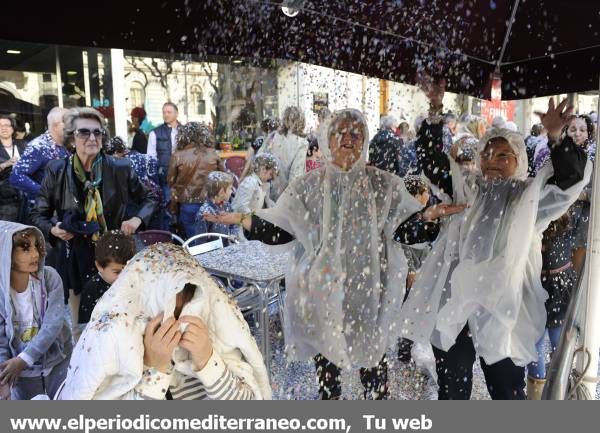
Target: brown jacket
<point>188,170</point>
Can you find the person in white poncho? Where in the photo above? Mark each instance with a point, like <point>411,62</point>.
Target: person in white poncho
<point>165,326</point>
<point>345,284</point>
<point>479,291</point>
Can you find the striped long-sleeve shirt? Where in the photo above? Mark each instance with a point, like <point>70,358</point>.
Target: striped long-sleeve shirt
<point>214,382</point>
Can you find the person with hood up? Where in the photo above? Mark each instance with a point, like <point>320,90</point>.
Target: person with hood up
<point>165,325</point>
<point>35,339</point>
<point>343,284</point>
<point>479,290</point>
<point>290,146</point>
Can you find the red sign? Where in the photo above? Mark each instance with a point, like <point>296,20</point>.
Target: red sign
<point>497,107</point>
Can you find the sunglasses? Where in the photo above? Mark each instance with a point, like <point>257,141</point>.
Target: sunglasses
<point>86,133</point>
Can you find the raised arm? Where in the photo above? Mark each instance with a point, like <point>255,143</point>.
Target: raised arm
<point>429,146</point>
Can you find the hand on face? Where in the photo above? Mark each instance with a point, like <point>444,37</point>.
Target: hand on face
<point>160,341</point>
<point>195,340</point>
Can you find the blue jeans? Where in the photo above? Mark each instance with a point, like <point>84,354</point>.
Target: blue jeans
<point>187,218</point>
<point>537,369</point>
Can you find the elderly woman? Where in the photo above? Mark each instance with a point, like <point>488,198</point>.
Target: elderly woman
<point>343,285</point>
<point>85,195</point>
<point>165,325</point>
<point>479,290</point>
<point>191,163</point>
<point>289,145</point>
<point>385,145</point>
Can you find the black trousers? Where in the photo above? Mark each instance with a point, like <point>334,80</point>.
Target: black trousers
<point>504,379</point>
<point>374,380</point>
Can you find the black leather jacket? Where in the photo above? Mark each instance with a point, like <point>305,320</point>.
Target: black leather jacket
<point>62,192</point>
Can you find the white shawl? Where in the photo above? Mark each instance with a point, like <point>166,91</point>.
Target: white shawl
<point>107,362</point>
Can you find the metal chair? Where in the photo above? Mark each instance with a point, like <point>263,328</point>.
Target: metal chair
<point>151,237</point>
<point>247,300</point>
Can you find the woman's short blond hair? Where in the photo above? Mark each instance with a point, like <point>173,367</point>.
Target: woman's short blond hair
<point>72,115</point>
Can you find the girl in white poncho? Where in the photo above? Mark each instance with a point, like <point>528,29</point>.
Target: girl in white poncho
<point>202,350</point>
<point>345,283</point>
<point>479,291</point>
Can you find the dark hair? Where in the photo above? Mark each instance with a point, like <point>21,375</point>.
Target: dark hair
<point>416,184</point>
<point>269,124</point>
<point>21,240</point>
<point>114,246</point>
<point>588,123</point>
<point>20,125</point>
<point>537,129</point>
<point>171,104</point>
<point>313,146</point>
<point>114,145</point>
<point>138,113</point>
<point>557,228</point>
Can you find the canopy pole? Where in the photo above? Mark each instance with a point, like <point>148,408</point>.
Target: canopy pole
<point>591,330</point>
<point>507,36</point>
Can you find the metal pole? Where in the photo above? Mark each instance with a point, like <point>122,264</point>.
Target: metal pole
<point>591,327</point>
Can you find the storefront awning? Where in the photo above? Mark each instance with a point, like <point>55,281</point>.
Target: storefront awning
<point>551,47</point>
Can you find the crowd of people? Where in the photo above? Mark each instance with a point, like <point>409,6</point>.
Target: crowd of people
<point>460,238</point>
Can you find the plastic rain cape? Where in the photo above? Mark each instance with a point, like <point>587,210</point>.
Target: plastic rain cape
<point>346,281</point>
<point>485,265</point>
<point>107,362</point>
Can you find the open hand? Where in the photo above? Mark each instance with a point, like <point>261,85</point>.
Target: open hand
<point>160,341</point>
<point>11,370</point>
<point>223,218</point>
<point>556,118</point>
<point>196,341</point>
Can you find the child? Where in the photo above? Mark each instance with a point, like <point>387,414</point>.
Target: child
<point>421,233</point>
<point>113,251</point>
<point>35,339</point>
<point>314,157</point>
<point>253,193</point>
<point>559,278</point>
<point>219,186</point>
<point>479,292</point>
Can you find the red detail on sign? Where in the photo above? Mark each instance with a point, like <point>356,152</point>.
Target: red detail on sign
<point>497,107</point>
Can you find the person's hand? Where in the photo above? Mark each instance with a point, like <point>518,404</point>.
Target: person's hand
<point>4,392</point>
<point>556,118</point>
<point>11,370</point>
<point>434,90</point>
<point>410,279</point>
<point>160,341</point>
<point>9,162</point>
<point>60,233</point>
<point>195,340</point>
<point>223,218</point>
<point>442,210</point>
<point>129,226</point>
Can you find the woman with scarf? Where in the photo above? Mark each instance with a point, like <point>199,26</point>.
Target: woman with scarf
<point>343,284</point>
<point>88,192</point>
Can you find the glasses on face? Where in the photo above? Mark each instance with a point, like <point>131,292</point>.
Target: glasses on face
<point>86,133</point>
<point>500,157</point>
